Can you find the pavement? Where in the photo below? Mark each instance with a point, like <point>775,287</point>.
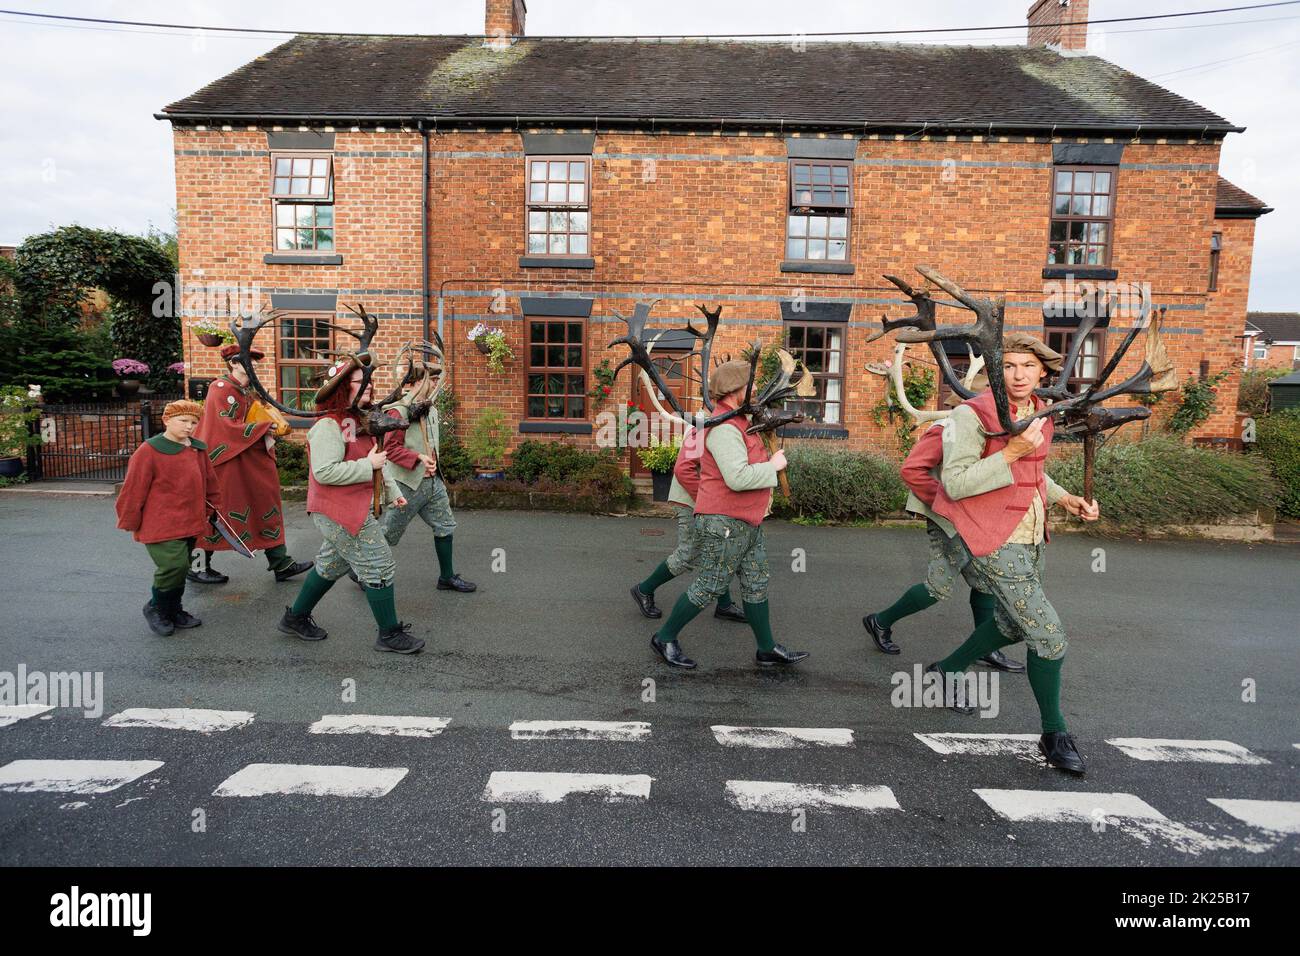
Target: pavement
<point>538,727</point>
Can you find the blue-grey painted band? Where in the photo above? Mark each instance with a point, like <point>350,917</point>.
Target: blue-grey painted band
<point>305,303</point>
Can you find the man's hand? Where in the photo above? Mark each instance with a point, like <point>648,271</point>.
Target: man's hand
<point>400,502</point>
<point>1081,507</point>
<point>377,457</point>
<point>430,464</point>
<point>1025,443</point>
<point>778,460</point>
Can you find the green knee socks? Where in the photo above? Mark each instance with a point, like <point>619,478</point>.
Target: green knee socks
<point>760,623</point>
<point>682,614</point>
<point>383,605</point>
<point>985,639</point>
<point>660,575</point>
<point>313,589</point>
<point>442,547</point>
<point>725,601</point>
<point>168,601</point>
<point>916,598</point>
<point>981,606</point>
<point>1045,679</point>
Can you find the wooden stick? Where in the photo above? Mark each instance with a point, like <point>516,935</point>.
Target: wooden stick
<point>1089,453</point>
<point>769,442</point>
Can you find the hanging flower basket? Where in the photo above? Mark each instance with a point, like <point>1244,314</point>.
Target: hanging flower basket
<point>483,345</point>
<point>210,339</point>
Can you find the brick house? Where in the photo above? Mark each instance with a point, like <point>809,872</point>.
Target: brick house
<point>539,185</point>
<point>1272,340</point>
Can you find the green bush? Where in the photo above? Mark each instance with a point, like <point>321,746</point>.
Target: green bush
<point>487,440</point>
<point>1277,438</point>
<point>840,485</point>
<point>1252,397</point>
<point>533,461</point>
<point>453,460</point>
<point>291,462</point>
<point>1161,482</point>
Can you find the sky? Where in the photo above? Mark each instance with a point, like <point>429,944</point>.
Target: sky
<point>79,144</point>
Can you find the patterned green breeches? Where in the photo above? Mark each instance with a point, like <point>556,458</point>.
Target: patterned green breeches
<point>725,547</point>
<point>1014,575</point>
<point>367,553</point>
<point>683,559</point>
<point>430,502</point>
<point>948,558</point>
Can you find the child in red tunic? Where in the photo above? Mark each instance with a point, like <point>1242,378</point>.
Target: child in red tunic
<point>166,502</point>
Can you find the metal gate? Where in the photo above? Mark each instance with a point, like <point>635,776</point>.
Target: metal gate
<point>92,442</point>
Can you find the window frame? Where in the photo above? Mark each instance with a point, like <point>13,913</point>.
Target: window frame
<point>290,199</point>
<point>1109,219</point>
<point>842,375</point>
<point>833,210</point>
<point>1216,250</point>
<point>1076,383</point>
<point>547,206</point>
<point>281,362</point>
<point>530,369</point>
<point>1255,350</point>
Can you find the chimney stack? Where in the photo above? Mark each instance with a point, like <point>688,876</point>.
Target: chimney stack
<point>1073,37</point>
<point>505,20</point>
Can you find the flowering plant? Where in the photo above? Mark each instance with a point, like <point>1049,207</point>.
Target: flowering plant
<point>492,341</point>
<point>129,368</point>
<point>176,368</point>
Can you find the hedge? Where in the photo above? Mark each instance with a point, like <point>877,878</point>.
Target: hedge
<point>1277,438</point>
<point>841,485</point>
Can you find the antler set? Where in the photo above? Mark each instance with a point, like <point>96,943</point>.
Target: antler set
<point>640,349</point>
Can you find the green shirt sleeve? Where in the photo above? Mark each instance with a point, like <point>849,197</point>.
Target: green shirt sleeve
<point>325,440</point>
<point>727,446</point>
<point>965,473</point>
<point>1054,491</point>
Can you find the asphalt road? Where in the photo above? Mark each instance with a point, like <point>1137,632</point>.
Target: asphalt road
<point>1161,643</point>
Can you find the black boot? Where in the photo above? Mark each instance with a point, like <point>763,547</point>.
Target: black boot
<point>671,652</point>
<point>646,603</point>
<point>294,569</point>
<point>456,583</point>
<point>779,654</point>
<point>399,640</point>
<point>732,612</point>
<point>183,618</point>
<point>953,704</point>
<point>301,626</point>
<point>208,575</point>
<point>1059,751</point>
<point>159,622</point>
<point>999,661</point>
<point>880,634</point>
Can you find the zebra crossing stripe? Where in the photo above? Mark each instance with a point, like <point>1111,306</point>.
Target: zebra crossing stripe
<point>1185,751</point>
<point>773,797</point>
<point>265,779</point>
<point>621,730</point>
<point>12,713</point>
<point>1276,816</point>
<point>181,718</point>
<point>531,787</point>
<point>381,725</point>
<point>984,745</point>
<point>72,776</point>
<point>1066,806</point>
<point>782,738</point>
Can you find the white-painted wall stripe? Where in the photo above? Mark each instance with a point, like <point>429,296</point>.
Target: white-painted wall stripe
<point>383,725</point>
<point>984,745</point>
<point>12,713</point>
<point>780,797</point>
<point>1185,751</point>
<point>262,779</point>
<point>783,738</point>
<point>181,718</point>
<point>622,730</point>
<point>531,787</point>
<point>72,776</point>
<point>1277,816</point>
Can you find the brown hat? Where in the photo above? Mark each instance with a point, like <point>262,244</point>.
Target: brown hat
<point>728,377</point>
<point>182,407</point>
<point>230,351</point>
<point>1024,342</point>
<point>339,372</point>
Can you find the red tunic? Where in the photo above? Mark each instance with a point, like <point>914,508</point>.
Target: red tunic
<point>347,504</point>
<point>250,484</point>
<point>687,468</point>
<point>716,496</point>
<point>918,467</point>
<point>167,490</point>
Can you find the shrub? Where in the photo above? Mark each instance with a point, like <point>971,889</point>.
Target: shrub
<point>1277,438</point>
<point>840,485</point>
<point>1252,397</point>
<point>487,439</point>
<point>1161,482</point>
<point>291,462</point>
<point>556,461</point>
<point>453,460</point>
<point>1199,396</point>
<point>16,416</point>
<point>660,457</point>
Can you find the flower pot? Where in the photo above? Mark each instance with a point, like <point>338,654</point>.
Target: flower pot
<point>484,474</point>
<point>11,467</point>
<point>210,339</point>
<point>126,387</point>
<point>663,482</point>
<point>483,346</point>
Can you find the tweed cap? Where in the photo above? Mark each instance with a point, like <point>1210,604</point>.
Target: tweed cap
<point>182,407</point>
<point>728,377</point>
<point>1024,342</point>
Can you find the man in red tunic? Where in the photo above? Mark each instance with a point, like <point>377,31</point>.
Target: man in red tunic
<point>243,454</point>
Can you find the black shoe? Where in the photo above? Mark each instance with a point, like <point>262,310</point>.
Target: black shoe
<point>671,652</point>
<point>456,583</point>
<point>398,640</point>
<point>293,570</point>
<point>1060,752</point>
<point>159,623</point>
<point>952,704</point>
<point>183,618</point>
<point>732,612</point>
<point>778,655</point>
<point>880,634</point>
<point>1000,662</point>
<point>301,626</point>
<point>207,576</point>
<point>646,602</point>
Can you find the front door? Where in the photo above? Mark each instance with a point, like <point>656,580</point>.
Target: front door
<point>684,383</point>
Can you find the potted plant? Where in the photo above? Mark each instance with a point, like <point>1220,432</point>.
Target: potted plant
<point>17,412</point>
<point>487,444</point>
<point>491,341</point>
<point>660,459</point>
<point>210,333</point>
<point>128,372</point>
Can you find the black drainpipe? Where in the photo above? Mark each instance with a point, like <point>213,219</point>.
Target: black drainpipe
<point>424,228</point>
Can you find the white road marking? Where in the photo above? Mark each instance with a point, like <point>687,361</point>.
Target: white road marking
<point>773,797</point>
<point>1122,811</point>
<point>623,730</point>
<point>380,724</point>
<point>12,713</point>
<point>262,779</point>
<point>181,718</point>
<point>1024,746</point>
<point>72,776</point>
<point>1276,816</point>
<point>783,738</point>
<point>530,787</point>
<point>1185,751</point>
